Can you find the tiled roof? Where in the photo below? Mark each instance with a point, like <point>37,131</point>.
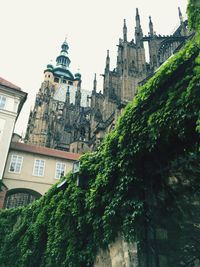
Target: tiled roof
<point>9,84</point>
<point>44,151</point>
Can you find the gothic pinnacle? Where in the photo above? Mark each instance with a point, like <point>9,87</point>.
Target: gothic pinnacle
<point>67,99</point>
<point>180,15</point>
<point>151,27</point>
<point>137,18</point>
<point>125,31</point>
<point>138,30</point>
<point>95,83</point>
<point>107,61</point>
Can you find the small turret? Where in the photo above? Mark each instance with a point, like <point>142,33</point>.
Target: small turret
<point>50,67</point>
<point>125,31</point>
<point>77,76</point>
<point>48,73</point>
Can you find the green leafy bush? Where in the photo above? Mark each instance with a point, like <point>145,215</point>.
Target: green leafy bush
<point>67,226</point>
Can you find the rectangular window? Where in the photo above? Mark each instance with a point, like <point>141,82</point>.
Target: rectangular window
<point>39,167</point>
<point>60,170</point>
<point>16,164</point>
<point>2,101</point>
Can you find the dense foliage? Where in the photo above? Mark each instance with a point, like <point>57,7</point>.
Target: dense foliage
<point>155,140</point>
<point>193,14</point>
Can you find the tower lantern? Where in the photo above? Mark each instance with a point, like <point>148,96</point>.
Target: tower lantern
<point>63,60</point>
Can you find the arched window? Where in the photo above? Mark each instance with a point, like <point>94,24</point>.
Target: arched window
<point>20,197</point>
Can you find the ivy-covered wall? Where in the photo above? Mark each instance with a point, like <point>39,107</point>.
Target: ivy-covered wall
<point>193,14</point>
<point>143,182</point>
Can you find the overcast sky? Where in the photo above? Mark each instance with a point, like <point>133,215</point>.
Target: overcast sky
<point>32,32</point>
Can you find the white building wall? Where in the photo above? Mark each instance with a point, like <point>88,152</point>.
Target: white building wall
<point>7,123</point>
<point>8,115</point>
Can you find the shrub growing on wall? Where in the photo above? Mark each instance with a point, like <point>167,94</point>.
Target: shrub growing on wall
<point>142,170</point>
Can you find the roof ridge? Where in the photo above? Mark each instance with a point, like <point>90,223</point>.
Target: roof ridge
<point>44,151</point>
<point>9,84</point>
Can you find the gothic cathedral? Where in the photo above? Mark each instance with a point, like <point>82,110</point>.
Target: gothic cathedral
<point>68,118</point>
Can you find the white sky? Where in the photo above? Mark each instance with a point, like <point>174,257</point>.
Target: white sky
<point>32,32</point>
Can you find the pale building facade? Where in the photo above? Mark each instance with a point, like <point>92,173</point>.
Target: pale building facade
<point>12,99</point>
<point>31,170</point>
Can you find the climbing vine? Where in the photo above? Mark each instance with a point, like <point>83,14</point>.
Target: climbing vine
<point>193,14</point>
<point>155,137</point>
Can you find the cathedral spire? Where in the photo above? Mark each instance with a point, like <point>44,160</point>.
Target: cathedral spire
<point>95,83</point>
<point>125,31</point>
<point>151,27</point>
<point>63,60</point>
